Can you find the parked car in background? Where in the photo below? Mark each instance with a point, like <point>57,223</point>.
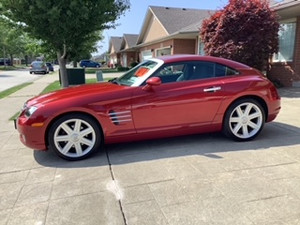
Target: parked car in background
<point>163,97</point>
<point>38,67</point>
<point>50,66</point>
<point>89,63</point>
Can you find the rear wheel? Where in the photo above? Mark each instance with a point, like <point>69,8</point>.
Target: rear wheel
<point>244,120</point>
<point>75,136</point>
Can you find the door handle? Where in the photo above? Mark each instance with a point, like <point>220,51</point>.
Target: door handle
<point>212,89</point>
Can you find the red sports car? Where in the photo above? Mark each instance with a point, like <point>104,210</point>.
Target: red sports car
<point>163,97</point>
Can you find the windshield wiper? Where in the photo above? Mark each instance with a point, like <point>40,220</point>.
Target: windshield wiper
<point>114,81</point>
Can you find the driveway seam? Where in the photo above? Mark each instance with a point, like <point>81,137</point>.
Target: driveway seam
<point>113,178</point>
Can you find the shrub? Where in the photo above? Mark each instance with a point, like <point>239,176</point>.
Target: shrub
<point>244,31</point>
<point>121,68</point>
<point>133,64</point>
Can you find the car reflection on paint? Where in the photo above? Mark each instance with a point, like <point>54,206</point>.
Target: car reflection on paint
<point>163,97</point>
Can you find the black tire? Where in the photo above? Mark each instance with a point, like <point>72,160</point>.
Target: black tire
<point>75,136</point>
<point>244,120</point>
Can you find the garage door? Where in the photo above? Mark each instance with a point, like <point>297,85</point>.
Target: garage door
<point>146,55</point>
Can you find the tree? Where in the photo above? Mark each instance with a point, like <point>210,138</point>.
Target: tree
<point>85,49</point>
<point>64,25</point>
<point>244,31</point>
<point>11,41</point>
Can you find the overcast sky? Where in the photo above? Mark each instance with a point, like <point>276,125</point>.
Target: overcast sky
<point>131,22</point>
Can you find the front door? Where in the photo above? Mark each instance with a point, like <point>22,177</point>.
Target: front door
<point>177,104</point>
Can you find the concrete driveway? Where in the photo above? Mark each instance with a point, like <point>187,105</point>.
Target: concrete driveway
<point>199,179</point>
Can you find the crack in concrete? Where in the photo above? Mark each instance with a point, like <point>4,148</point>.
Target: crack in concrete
<point>115,188</point>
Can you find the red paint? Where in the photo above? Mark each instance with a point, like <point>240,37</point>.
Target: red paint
<point>163,110</point>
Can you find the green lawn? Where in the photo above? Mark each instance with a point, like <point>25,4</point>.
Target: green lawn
<point>94,70</point>
<point>56,85</point>
<point>15,67</point>
<point>9,91</point>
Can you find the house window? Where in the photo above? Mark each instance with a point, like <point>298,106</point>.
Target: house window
<point>147,54</point>
<point>200,47</point>
<point>163,51</point>
<point>286,34</point>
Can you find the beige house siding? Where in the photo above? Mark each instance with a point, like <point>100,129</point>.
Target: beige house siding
<point>113,50</point>
<point>131,57</point>
<point>154,31</point>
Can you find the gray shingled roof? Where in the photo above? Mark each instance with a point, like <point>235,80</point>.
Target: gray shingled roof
<point>116,42</point>
<point>176,19</point>
<point>131,39</point>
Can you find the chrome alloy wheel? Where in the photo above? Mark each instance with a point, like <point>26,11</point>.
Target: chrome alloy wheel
<point>74,138</point>
<point>246,120</point>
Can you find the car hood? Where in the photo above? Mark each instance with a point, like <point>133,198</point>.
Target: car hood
<point>79,92</point>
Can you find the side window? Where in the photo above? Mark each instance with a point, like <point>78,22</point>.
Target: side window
<point>222,71</point>
<point>203,70</point>
<point>171,72</point>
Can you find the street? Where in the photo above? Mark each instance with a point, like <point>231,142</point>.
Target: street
<point>9,79</point>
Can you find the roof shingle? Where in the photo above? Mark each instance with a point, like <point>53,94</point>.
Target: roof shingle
<point>176,19</point>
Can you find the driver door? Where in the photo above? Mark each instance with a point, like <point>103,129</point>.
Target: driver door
<point>182,103</point>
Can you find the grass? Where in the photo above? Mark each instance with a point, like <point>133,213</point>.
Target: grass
<point>14,116</point>
<point>15,67</point>
<point>89,70</point>
<point>56,85</point>
<point>9,91</point>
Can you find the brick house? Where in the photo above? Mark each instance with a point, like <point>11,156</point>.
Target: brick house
<point>169,31</point>
<point>128,50</point>
<point>114,51</point>
<point>285,66</point>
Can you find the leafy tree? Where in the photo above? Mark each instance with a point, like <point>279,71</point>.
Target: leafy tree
<point>11,41</point>
<point>64,25</point>
<point>86,48</point>
<point>244,31</point>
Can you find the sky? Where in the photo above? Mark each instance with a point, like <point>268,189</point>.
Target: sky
<point>131,22</point>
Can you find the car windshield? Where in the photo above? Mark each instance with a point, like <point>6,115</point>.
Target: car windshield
<point>138,74</point>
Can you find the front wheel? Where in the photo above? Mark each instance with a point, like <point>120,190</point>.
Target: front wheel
<point>244,120</point>
<point>74,136</point>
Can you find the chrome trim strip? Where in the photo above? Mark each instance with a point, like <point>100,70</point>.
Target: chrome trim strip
<point>124,120</point>
<point>118,113</point>
<point>114,116</point>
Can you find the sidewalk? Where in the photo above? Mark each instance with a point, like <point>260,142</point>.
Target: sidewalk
<point>13,103</point>
<point>197,179</point>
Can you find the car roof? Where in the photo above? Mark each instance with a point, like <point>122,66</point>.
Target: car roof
<point>180,58</point>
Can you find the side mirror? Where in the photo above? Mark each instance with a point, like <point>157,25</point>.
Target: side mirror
<point>153,81</point>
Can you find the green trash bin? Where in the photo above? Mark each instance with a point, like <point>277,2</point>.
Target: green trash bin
<point>76,76</point>
<point>99,76</point>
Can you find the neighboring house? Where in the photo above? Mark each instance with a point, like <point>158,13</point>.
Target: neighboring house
<point>128,51</point>
<point>114,51</point>
<point>169,31</point>
<point>285,66</point>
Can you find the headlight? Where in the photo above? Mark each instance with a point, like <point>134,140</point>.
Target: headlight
<point>29,111</point>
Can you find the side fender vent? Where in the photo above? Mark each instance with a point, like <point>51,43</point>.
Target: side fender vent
<point>118,118</point>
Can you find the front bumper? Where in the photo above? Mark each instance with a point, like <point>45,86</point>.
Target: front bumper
<point>32,137</point>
